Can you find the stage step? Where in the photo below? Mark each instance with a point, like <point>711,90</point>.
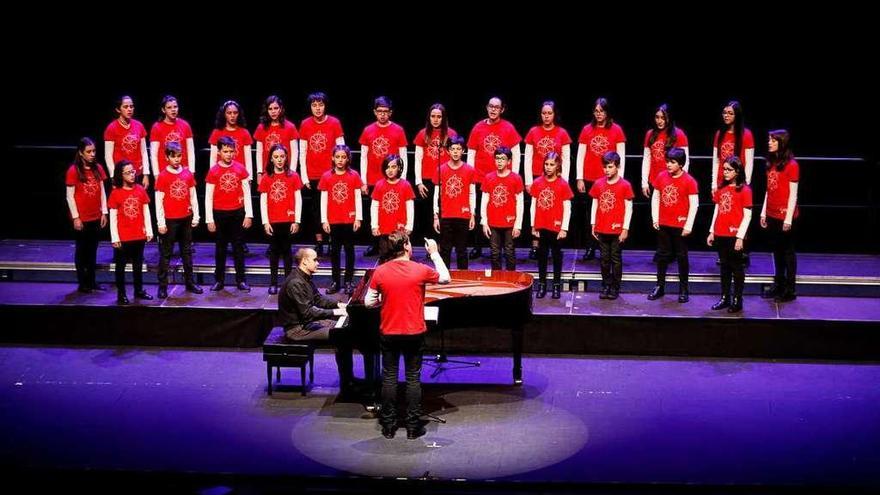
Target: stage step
<point>818,274</point>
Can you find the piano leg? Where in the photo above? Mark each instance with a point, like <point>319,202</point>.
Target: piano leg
<point>517,336</point>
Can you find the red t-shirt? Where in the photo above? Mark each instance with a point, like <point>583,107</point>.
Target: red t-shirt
<point>727,146</point>
<point>549,197</point>
<point>127,142</point>
<point>275,134</point>
<point>228,195</point>
<point>320,139</point>
<point>730,209</point>
<point>178,132</point>
<point>779,189</point>
<point>402,285</point>
<point>598,140</point>
<point>392,200</point>
<point>280,192</point>
<point>434,151</point>
<point>176,189</point>
<point>658,151</point>
<point>455,190</point>
<point>129,206</point>
<point>240,135</point>
<point>340,195</point>
<point>501,193</point>
<point>612,207</point>
<point>485,138</point>
<point>381,142</point>
<point>674,198</point>
<point>544,141</point>
<point>87,195</point>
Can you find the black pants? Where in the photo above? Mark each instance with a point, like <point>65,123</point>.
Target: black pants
<point>279,248</point>
<point>611,260</point>
<point>454,233</point>
<point>229,229</point>
<point>311,197</point>
<point>732,265</point>
<point>411,347</point>
<point>344,339</point>
<point>671,245</point>
<point>86,254</point>
<point>548,242</point>
<point>784,257</point>
<point>180,230</point>
<point>424,211</point>
<point>500,240</point>
<point>132,251</point>
<point>342,235</point>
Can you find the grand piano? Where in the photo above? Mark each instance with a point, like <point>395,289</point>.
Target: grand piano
<point>471,299</point>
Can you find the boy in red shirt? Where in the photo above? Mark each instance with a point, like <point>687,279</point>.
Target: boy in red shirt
<point>610,215</point>
<point>673,209</point>
<point>454,203</point>
<point>177,213</point>
<point>501,210</point>
<point>228,198</point>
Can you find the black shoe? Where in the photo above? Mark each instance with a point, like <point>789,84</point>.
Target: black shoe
<point>195,289</point>
<point>413,433</point>
<point>683,295</point>
<point>349,288</point>
<point>658,292</point>
<point>722,303</point>
<point>736,305</point>
<point>476,253</point>
<point>243,286</point>
<point>389,431</point>
<point>142,294</point>
<point>273,289</point>
<point>333,289</point>
<point>218,286</point>
<point>245,249</point>
<point>613,293</point>
<point>162,293</point>
<point>542,290</point>
<point>557,291</point>
<point>84,289</point>
<point>122,299</point>
<point>371,251</point>
<point>786,296</point>
<point>590,254</point>
<point>771,292</point>
<point>603,292</point>
<point>98,287</point>
<point>533,253</point>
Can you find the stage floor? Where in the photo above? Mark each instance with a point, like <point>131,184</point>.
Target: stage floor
<point>158,411</point>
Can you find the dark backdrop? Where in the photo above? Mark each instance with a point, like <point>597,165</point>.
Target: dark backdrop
<point>812,84</point>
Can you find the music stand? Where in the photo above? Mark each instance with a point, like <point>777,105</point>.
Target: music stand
<point>441,358</point>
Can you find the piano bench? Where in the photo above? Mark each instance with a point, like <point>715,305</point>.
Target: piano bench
<point>281,352</point>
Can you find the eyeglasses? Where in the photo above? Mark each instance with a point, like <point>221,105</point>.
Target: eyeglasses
<point>382,111</point>
<point>493,107</point>
<point>128,172</point>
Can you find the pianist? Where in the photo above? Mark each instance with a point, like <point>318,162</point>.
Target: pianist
<point>399,284</point>
<point>308,315</point>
